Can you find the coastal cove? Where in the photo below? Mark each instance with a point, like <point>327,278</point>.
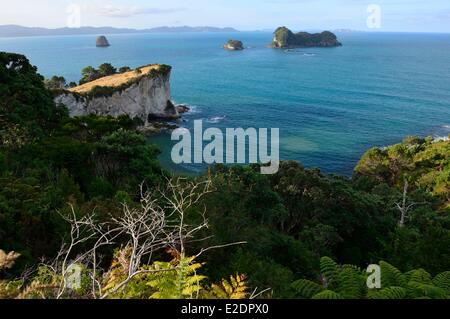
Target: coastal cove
<point>328,114</point>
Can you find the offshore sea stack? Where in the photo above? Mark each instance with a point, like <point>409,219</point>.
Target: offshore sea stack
<point>285,38</point>
<point>234,45</point>
<point>102,42</point>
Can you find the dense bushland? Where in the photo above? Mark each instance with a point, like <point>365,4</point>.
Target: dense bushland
<point>395,208</point>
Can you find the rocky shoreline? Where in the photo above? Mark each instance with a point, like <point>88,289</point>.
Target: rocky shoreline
<point>157,126</point>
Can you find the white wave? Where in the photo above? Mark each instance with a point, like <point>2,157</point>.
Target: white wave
<point>446,127</point>
<point>299,51</point>
<point>193,109</point>
<point>216,119</point>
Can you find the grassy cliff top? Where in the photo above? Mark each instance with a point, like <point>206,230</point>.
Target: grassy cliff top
<point>119,80</point>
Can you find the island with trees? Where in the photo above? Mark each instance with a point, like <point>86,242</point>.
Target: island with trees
<point>234,45</point>
<point>285,38</point>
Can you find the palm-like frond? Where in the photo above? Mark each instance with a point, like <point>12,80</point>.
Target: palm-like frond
<point>236,288</point>
<point>306,288</point>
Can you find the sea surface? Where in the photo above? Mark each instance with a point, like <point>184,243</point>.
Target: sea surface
<point>331,104</point>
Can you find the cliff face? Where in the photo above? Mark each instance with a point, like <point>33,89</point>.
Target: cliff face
<point>285,38</point>
<point>146,97</point>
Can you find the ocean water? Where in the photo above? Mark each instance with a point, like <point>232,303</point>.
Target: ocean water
<point>331,104</point>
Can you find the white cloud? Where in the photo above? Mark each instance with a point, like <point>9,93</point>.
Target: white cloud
<point>130,11</point>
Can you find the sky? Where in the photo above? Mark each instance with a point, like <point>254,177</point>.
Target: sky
<point>389,15</point>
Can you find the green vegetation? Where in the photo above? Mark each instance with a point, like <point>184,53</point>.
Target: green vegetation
<point>25,103</point>
<point>89,73</point>
<point>285,38</point>
<point>423,163</point>
<point>178,279</point>
<point>124,69</point>
<point>106,69</point>
<point>350,282</point>
<point>97,173</point>
<point>55,82</point>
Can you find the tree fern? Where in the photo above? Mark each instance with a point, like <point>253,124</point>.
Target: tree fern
<point>179,282</point>
<point>236,288</point>
<point>420,290</point>
<point>350,282</point>
<point>306,288</point>
<point>443,281</point>
<point>391,276</point>
<point>328,269</point>
<point>7,260</point>
<point>327,294</point>
<point>388,293</point>
<point>419,275</point>
<point>37,290</point>
<point>116,274</point>
<point>10,289</point>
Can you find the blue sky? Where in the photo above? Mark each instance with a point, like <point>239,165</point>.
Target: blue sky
<point>396,15</point>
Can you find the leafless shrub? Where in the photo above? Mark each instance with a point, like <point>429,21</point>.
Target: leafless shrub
<point>159,222</point>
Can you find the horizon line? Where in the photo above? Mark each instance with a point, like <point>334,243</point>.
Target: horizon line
<point>340,30</point>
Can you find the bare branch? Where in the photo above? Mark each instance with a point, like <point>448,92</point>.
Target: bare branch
<point>159,222</point>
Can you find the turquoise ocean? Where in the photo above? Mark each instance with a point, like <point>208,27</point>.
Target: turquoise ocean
<point>331,104</point>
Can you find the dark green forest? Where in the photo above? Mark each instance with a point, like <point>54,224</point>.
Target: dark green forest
<point>296,234</point>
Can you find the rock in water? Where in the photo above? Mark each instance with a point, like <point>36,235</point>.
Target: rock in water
<point>183,108</point>
<point>234,45</point>
<point>102,42</point>
<point>285,38</point>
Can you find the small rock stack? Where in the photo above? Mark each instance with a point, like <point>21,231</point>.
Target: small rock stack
<point>102,42</point>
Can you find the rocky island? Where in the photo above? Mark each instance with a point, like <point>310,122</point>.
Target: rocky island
<point>234,45</point>
<point>102,42</point>
<point>285,38</point>
<point>142,94</point>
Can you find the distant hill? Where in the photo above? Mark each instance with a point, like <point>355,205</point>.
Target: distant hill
<point>189,29</point>
<point>20,31</point>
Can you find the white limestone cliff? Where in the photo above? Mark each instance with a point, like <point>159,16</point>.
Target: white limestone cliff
<point>147,98</point>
